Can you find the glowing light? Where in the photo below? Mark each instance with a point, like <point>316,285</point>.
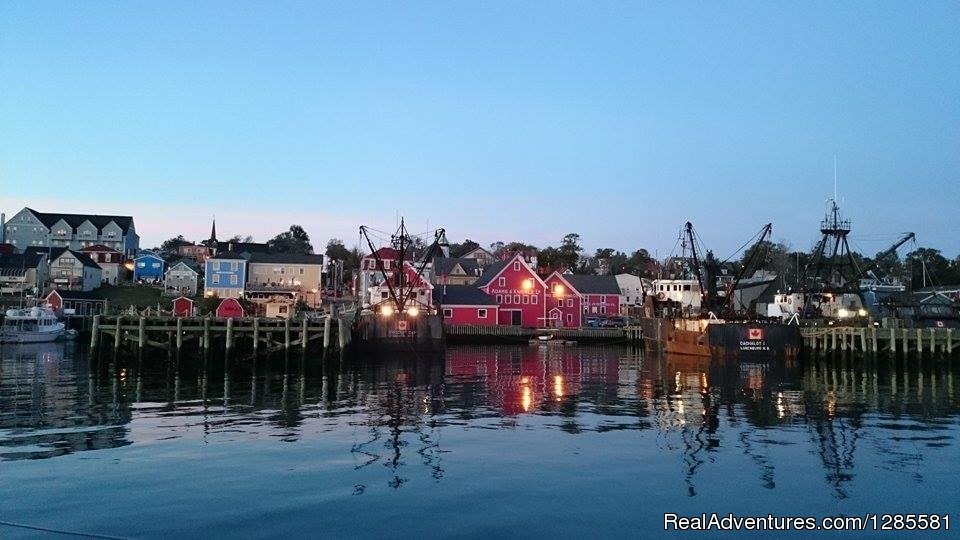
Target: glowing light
<point>527,398</point>
<point>386,311</point>
<point>413,311</point>
<point>527,284</point>
<point>558,290</point>
<point>558,386</point>
<point>862,312</point>
<point>843,313</point>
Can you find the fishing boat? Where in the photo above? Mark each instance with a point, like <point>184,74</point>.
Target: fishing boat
<point>693,316</point>
<point>31,325</point>
<point>404,316</point>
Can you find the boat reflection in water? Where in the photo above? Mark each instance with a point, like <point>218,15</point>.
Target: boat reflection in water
<point>479,420</point>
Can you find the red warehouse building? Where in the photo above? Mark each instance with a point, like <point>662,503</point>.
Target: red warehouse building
<point>563,302</point>
<point>465,304</point>
<point>517,290</point>
<point>599,295</point>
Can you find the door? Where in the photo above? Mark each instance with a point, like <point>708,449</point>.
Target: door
<point>515,319</point>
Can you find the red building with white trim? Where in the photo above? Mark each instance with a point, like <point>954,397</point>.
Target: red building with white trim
<point>465,304</point>
<point>600,295</point>
<point>563,303</point>
<point>518,291</point>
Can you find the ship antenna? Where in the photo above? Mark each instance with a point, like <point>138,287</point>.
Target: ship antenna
<point>834,177</point>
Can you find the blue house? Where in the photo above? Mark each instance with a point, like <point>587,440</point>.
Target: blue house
<point>149,267</point>
<point>225,275</point>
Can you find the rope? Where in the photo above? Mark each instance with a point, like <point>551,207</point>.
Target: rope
<point>59,531</point>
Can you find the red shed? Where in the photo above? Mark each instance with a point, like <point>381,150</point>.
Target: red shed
<point>183,307</point>
<point>230,308</point>
<point>518,290</point>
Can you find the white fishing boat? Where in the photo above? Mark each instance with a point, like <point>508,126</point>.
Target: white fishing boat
<point>31,325</point>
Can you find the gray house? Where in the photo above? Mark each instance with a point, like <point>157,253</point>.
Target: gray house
<point>29,228</point>
<point>181,278</point>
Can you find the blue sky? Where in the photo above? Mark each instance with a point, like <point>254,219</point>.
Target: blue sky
<point>618,121</point>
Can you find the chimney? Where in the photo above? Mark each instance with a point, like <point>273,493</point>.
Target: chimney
<point>3,228</point>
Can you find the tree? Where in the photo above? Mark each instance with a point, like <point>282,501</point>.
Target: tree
<point>640,263</point>
<point>170,246</point>
<point>237,239</point>
<point>570,250</point>
<point>336,251</point>
<point>929,267</point>
<point>550,259</point>
<point>295,240</point>
<point>350,258</point>
<point>463,248</point>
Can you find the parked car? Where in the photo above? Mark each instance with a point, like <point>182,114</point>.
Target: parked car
<point>593,321</point>
<point>615,321</point>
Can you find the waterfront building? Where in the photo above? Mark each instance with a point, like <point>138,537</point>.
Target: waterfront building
<point>419,287</point>
<point>109,260</point>
<point>563,302</point>
<point>372,272</point>
<point>230,308</point>
<point>465,304</point>
<point>518,291</point>
<point>632,290</point>
<point>284,278</point>
<point>599,295</point>
<point>148,267</point>
<point>181,278</point>
<point>30,228</point>
<point>73,270</point>
<point>225,275</point>
<point>63,301</point>
<point>183,307</point>
<point>23,273</point>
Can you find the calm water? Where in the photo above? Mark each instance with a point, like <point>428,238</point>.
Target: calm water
<point>491,441</point>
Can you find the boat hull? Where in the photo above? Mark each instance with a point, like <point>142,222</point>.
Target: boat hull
<point>722,339</point>
<point>45,336</point>
<point>423,333</point>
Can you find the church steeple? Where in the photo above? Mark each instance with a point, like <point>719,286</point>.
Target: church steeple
<point>213,233</point>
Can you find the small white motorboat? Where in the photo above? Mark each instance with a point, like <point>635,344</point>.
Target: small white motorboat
<point>31,325</point>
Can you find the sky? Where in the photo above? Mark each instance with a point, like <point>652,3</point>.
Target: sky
<point>523,121</point>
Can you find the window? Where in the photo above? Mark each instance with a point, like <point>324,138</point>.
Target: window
<point>516,266</point>
<point>481,314</point>
<point>533,299</point>
<point>516,299</point>
<point>569,302</point>
<point>502,282</point>
<point>106,257</point>
<point>526,299</point>
<point>448,313</point>
<point>216,265</point>
<point>686,287</point>
<point>233,266</point>
<point>499,298</point>
<point>560,302</point>
<point>156,265</point>
<point>383,295</point>
<point>301,271</point>
<point>233,279</point>
<point>603,309</point>
<point>569,317</point>
<point>216,278</point>
<point>507,299</point>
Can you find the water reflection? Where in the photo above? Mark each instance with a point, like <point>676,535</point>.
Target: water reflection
<point>391,413</point>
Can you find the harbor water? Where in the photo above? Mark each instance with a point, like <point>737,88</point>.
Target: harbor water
<point>493,441</point>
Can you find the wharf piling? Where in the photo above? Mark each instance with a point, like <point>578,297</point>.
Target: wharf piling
<point>175,333</point>
<point>874,340</point>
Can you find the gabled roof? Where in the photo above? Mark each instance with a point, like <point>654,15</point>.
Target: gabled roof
<point>98,248</point>
<point>21,260</point>
<point>465,252</point>
<point>442,266</point>
<point>588,284</point>
<point>189,263</point>
<point>288,258</point>
<point>78,295</point>
<point>75,220</point>
<point>388,253</point>
<point>147,253</point>
<point>462,295</point>
<point>490,273</point>
<point>56,253</point>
